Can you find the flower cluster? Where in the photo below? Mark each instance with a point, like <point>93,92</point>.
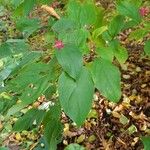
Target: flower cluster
<point>59,44</point>
<point>144,11</point>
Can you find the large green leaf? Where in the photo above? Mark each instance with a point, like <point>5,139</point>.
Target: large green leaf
<point>74,147</point>
<point>16,3</point>
<point>73,9</point>
<point>11,53</point>
<point>76,37</point>
<point>53,113</point>
<point>6,101</point>
<point>3,148</point>
<point>106,36</point>
<point>27,59</point>
<point>31,82</point>
<point>136,3</point>
<point>25,76</point>
<point>9,65</point>
<point>53,133</point>
<point>23,7</point>
<point>65,25</point>
<point>83,13</point>
<point>130,24</point>
<point>120,52</point>
<point>129,9</point>
<point>29,95</point>
<point>42,141</point>
<point>138,34</point>
<point>106,77</point>
<point>26,122</point>
<point>69,32</point>
<point>76,96</point>
<point>105,53</point>
<point>146,142</point>
<point>28,26</point>
<point>12,64</point>
<point>116,25</point>
<point>44,1</point>
<point>70,58</point>
<point>147,48</point>
<point>88,14</point>
<point>97,32</point>
<point>13,47</point>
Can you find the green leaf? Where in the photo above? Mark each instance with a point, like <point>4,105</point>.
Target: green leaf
<point>136,3</point>
<point>74,147</point>
<point>3,148</point>
<point>120,52</point>
<point>29,88</point>
<point>107,78</point>
<point>116,25</point>
<point>64,25</point>
<point>106,36</point>
<point>70,33</point>
<point>132,129</point>
<point>70,58</point>
<point>25,76</point>
<point>130,24</point>
<point>85,14</point>
<point>16,3</point>
<point>129,9</point>
<point>96,33</point>
<point>11,53</point>
<point>44,1</point>
<point>50,91</point>
<point>26,60</point>
<point>6,102</point>
<point>28,26</point>
<point>76,37</point>
<point>42,144</point>
<point>138,34</point>
<point>26,122</point>
<point>53,113</point>
<point>146,142</point>
<point>105,53</point>
<point>13,47</point>
<point>73,9</point>
<point>23,7</point>
<point>53,133</point>
<point>147,48</point>
<point>11,65</point>
<point>30,95</point>
<point>73,95</point>
<point>88,14</point>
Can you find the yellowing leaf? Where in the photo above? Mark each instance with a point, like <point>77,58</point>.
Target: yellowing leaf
<point>81,138</point>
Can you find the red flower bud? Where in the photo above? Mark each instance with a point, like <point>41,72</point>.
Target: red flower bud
<point>144,11</point>
<point>59,44</point>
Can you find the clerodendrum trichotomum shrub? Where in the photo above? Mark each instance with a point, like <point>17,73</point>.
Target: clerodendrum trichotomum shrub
<point>82,51</point>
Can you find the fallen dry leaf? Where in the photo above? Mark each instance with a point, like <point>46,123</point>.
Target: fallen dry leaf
<point>137,117</point>
<point>50,10</point>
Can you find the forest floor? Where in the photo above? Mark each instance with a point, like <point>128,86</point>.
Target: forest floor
<point>108,126</point>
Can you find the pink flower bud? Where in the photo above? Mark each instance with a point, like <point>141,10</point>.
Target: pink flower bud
<point>59,44</point>
<point>144,11</point>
